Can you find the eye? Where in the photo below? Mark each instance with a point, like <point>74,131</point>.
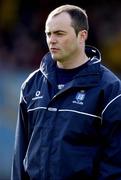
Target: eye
<point>60,33</point>
<point>48,34</point>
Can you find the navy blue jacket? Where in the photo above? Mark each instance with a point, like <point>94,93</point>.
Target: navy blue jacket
<point>73,134</point>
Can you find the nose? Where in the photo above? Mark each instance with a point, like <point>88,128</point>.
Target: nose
<point>52,39</point>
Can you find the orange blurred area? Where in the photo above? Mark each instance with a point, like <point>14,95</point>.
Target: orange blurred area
<point>22,38</point>
<point>23,44</point>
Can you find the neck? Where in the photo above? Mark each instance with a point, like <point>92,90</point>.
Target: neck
<point>73,62</point>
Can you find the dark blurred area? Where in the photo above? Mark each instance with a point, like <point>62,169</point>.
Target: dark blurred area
<point>23,44</point>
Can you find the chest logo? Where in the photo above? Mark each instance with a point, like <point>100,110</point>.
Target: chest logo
<point>79,98</point>
<point>37,95</point>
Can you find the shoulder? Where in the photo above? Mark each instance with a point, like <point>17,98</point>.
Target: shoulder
<point>32,79</point>
<point>109,77</point>
<point>110,84</point>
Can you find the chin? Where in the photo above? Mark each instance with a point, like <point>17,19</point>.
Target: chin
<point>55,57</point>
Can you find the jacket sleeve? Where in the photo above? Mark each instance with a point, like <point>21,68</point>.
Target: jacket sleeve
<point>110,165</point>
<point>21,141</point>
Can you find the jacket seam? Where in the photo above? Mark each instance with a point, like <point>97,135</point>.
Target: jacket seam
<point>64,110</point>
<point>110,103</point>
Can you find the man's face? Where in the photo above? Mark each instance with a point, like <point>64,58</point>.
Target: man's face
<point>61,38</point>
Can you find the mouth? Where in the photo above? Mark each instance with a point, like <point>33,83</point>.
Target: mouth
<point>54,50</point>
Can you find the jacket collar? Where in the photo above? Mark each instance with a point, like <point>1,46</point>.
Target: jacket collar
<point>90,74</point>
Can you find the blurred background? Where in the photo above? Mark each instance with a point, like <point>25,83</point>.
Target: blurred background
<point>23,44</point>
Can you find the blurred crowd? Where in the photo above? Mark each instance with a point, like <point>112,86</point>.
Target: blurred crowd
<point>23,44</point>
<point>22,38</point>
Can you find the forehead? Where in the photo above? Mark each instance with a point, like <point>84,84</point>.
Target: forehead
<point>60,21</point>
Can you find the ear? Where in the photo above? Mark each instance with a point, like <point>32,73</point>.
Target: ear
<point>83,35</point>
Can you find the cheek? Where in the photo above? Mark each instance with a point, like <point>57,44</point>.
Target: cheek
<point>71,45</point>
<point>68,44</point>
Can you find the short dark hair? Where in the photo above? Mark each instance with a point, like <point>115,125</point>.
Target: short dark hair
<point>78,16</point>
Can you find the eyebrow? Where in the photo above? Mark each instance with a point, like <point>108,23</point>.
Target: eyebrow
<point>58,31</point>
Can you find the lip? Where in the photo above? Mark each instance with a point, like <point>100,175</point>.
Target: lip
<point>54,49</point>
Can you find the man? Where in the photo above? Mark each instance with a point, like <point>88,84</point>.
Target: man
<point>69,124</point>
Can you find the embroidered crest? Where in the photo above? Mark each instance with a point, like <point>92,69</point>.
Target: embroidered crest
<point>79,97</point>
